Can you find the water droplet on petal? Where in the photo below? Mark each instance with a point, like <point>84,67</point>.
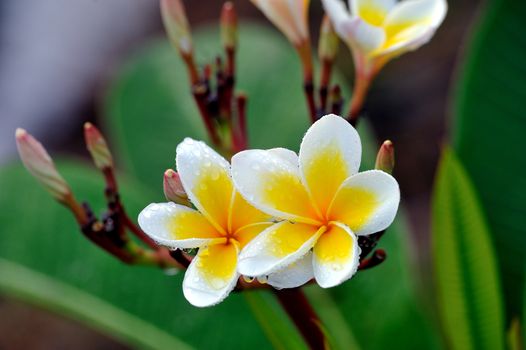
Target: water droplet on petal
<point>262,279</point>
<point>248,279</point>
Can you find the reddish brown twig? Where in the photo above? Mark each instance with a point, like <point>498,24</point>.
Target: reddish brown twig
<point>297,306</point>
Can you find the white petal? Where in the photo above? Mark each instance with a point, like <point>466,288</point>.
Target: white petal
<point>366,202</point>
<point>293,275</point>
<point>201,288</point>
<point>176,226</point>
<point>360,35</point>
<point>406,41</point>
<point>288,15</point>
<point>205,176</point>
<point>273,185</point>
<point>336,11</point>
<point>410,25</point>
<point>285,154</point>
<point>380,5</point>
<point>336,256</point>
<point>278,246</point>
<point>417,12</point>
<point>330,153</point>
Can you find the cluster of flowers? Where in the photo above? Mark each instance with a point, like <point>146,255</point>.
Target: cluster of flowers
<point>282,218</point>
<point>274,215</point>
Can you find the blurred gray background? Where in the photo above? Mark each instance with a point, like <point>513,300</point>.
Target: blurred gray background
<point>57,56</point>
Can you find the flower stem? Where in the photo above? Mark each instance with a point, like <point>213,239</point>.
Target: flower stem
<point>304,52</point>
<point>325,80</point>
<point>361,87</point>
<point>297,306</point>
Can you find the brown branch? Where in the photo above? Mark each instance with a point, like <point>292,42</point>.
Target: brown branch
<point>297,306</point>
<point>361,87</point>
<point>308,88</point>
<point>336,100</point>
<point>179,256</point>
<point>376,259</point>
<point>325,80</point>
<point>193,75</point>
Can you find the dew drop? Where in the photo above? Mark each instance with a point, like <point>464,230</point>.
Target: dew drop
<point>248,279</point>
<point>337,267</point>
<point>262,279</point>
<point>217,283</point>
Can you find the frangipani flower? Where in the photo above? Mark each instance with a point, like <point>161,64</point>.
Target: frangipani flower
<point>323,199</point>
<point>290,16</point>
<point>378,30</point>
<point>220,227</point>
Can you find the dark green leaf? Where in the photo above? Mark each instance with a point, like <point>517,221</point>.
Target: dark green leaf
<point>466,271</point>
<point>489,129</point>
<point>275,323</point>
<point>44,259</point>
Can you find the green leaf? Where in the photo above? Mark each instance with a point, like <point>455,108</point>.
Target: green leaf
<point>466,271</point>
<point>489,129</point>
<point>44,259</point>
<point>275,322</point>
<point>38,289</point>
<point>150,110</point>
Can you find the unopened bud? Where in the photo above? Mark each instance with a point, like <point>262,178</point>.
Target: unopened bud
<point>38,162</point>
<point>97,147</point>
<point>229,25</point>
<point>173,188</point>
<point>385,160</point>
<point>290,16</point>
<point>329,42</point>
<point>176,25</point>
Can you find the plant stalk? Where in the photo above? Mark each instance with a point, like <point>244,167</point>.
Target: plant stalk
<point>297,306</point>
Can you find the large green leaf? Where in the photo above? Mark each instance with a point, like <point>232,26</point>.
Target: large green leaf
<point>45,260</point>
<point>489,129</point>
<point>150,111</point>
<point>466,269</point>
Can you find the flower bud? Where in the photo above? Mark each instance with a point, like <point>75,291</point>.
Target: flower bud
<point>229,25</point>
<point>176,25</point>
<point>97,147</point>
<point>173,188</point>
<point>290,17</point>
<point>329,41</point>
<point>38,162</point>
<point>385,159</point>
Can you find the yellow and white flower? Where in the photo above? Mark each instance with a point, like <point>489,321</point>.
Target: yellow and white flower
<point>220,227</point>
<point>290,16</point>
<point>378,30</point>
<point>324,202</point>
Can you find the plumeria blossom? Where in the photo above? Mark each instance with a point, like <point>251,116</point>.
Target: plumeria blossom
<point>220,227</point>
<point>290,16</point>
<point>322,199</point>
<point>379,30</point>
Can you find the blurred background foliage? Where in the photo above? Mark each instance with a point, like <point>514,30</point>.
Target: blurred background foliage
<point>463,295</point>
